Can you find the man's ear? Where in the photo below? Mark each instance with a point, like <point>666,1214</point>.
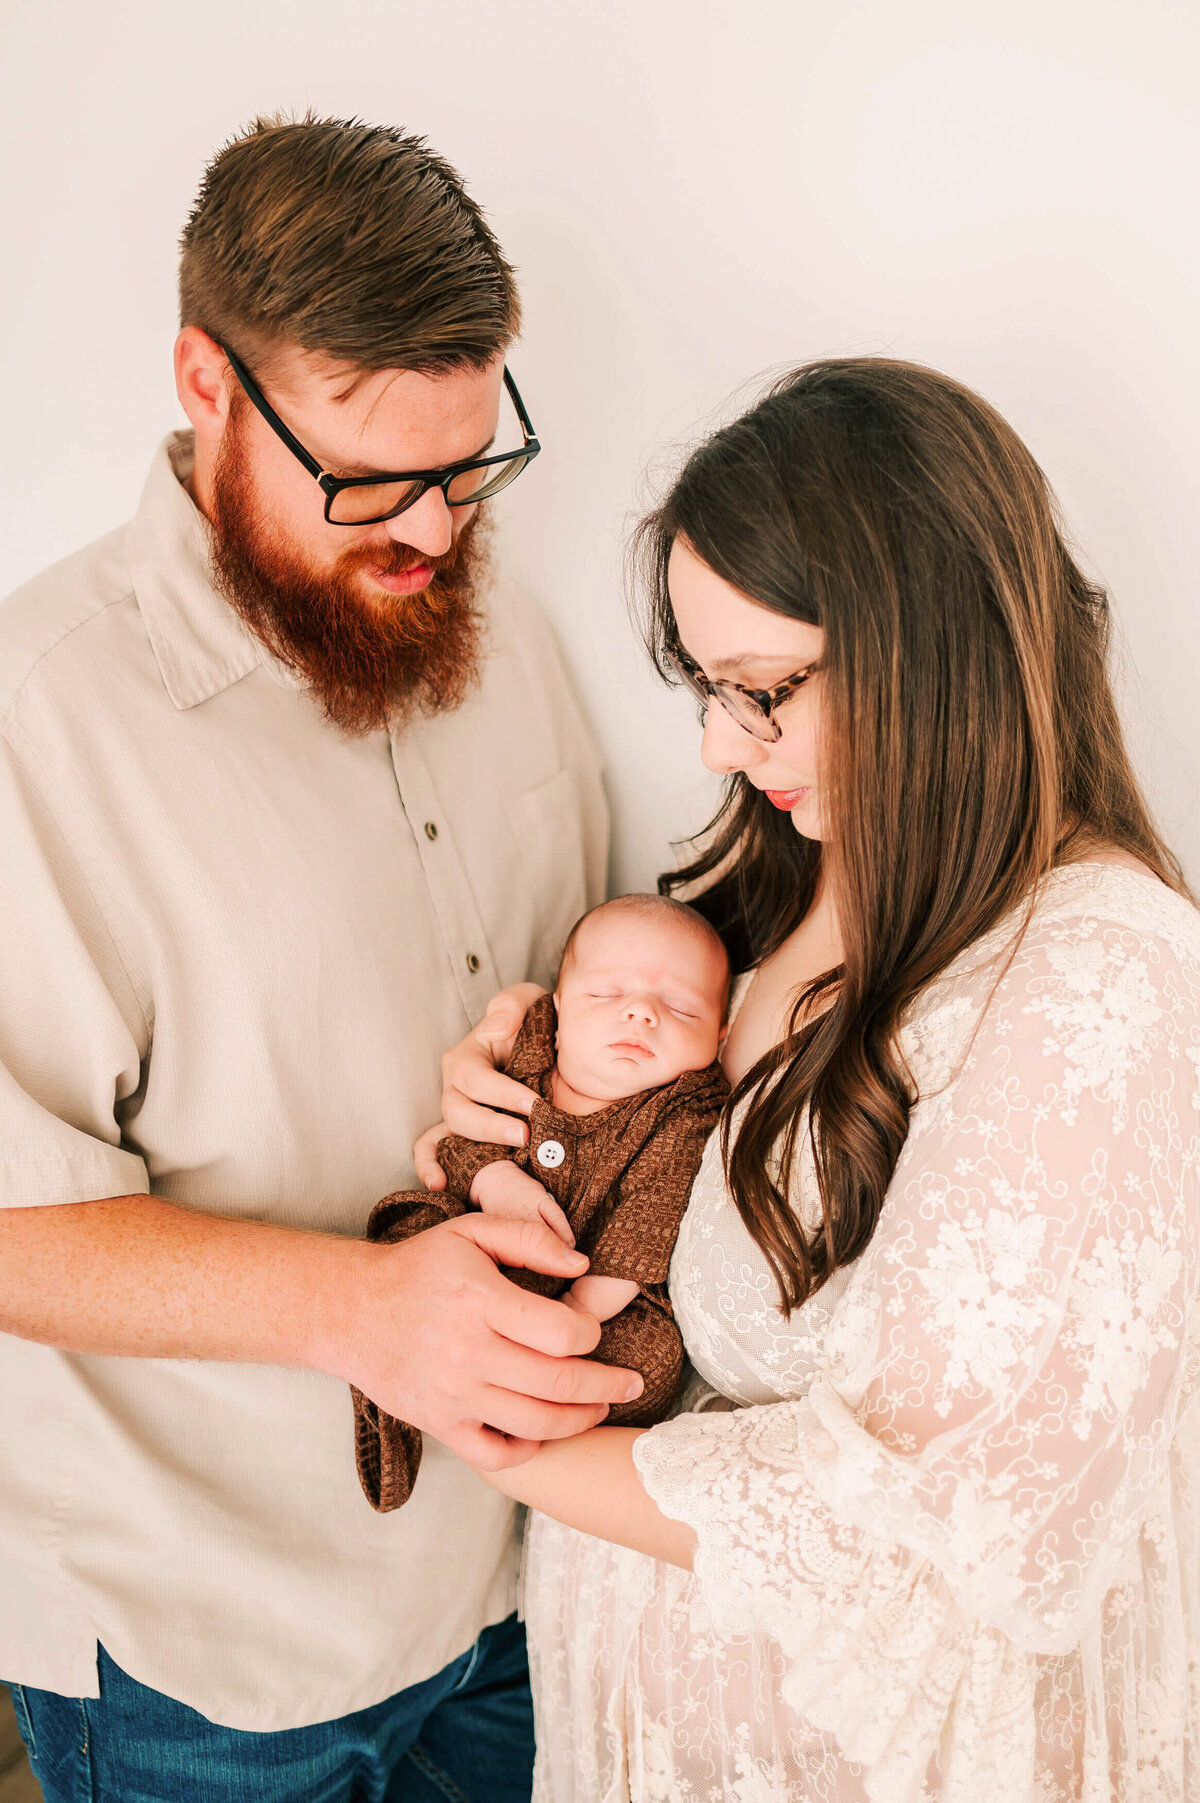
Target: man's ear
<point>202,383</point>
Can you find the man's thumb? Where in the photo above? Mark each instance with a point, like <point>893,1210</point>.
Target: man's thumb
<point>531,1245</point>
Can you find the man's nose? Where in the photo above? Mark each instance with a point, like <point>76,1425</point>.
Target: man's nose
<point>726,746</point>
<point>427,526</point>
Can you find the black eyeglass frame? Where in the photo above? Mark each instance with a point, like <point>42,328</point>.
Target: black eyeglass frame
<point>764,701</point>
<point>333,486</point>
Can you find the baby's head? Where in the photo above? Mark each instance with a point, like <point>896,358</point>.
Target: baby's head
<point>641,996</point>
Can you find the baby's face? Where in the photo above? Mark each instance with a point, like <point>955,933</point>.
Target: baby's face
<point>639,1002</point>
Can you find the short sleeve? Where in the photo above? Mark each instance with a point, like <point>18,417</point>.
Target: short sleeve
<point>463,1159</point>
<point>72,1032</point>
<point>966,1480</point>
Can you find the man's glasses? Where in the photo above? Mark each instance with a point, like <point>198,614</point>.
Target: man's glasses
<point>365,500</point>
<point>753,709</point>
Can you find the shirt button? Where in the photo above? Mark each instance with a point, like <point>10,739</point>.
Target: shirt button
<point>472,963</point>
<point>550,1154</point>
<point>430,829</point>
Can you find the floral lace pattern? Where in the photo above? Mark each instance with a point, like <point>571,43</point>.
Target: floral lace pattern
<point>949,1534</point>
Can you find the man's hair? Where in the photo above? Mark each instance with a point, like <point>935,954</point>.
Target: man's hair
<point>355,240</point>
<point>651,907</point>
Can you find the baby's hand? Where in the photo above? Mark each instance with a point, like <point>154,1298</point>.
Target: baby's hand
<point>603,1297</point>
<point>502,1189</point>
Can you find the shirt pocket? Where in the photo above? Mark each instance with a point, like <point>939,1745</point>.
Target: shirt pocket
<point>548,825</point>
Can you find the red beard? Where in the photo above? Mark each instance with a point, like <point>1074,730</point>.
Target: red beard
<point>369,666</point>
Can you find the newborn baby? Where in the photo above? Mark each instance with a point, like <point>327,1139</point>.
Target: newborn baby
<point>623,1060</point>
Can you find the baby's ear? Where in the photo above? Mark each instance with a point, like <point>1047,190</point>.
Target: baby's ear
<point>722,1033</point>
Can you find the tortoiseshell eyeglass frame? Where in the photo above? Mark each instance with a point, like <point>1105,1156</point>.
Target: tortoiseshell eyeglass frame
<point>753,709</point>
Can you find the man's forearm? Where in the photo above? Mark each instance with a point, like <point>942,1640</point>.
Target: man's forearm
<point>137,1276</point>
<point>429,1329</point>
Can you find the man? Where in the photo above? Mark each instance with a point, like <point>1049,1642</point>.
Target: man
<point>289,786</point>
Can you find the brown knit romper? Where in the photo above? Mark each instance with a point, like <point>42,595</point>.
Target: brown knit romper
<point>622,1177</point>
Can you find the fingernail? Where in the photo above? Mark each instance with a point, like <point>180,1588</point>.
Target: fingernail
<point>580,1258</point>
<point>634,1388</point>
<point>516,1136</point>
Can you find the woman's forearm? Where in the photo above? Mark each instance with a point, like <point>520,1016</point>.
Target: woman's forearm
<point>589,1482</point>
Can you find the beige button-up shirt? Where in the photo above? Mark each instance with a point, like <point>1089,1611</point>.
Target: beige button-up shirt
<point>233,944</point>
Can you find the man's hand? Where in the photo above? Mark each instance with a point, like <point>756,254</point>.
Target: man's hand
<point>436,1336</point>
<point>502,1189</point>
<point>428,1328</point>
<point>474,1090</point>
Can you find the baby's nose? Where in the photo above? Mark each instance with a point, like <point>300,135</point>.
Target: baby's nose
<point>640,1007</point>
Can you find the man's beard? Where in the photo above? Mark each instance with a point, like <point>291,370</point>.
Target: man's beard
<point>369,665</point>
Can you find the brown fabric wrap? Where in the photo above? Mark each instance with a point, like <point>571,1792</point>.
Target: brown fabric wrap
<point>623,1183</point>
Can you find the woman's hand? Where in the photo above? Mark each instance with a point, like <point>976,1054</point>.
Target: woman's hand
<point>474,1090</point>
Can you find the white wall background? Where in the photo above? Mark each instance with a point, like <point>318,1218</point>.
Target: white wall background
<point>696,192</point>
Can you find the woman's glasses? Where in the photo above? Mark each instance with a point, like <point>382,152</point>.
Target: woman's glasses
<point>365,500</point>
<point>753,709</point>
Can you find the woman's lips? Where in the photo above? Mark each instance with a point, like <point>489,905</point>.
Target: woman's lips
<point>786,799</point>
<point>407,582</point>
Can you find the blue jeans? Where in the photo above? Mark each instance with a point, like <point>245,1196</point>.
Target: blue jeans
<point>466,1735</point>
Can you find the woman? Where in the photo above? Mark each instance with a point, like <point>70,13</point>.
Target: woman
<point>943,1260</point>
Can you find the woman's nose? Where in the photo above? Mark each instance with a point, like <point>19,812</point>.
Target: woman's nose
<point>427,526</point>
<point>726,746</point>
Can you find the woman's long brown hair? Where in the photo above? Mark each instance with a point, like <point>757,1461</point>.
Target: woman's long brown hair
<point>970,744</point>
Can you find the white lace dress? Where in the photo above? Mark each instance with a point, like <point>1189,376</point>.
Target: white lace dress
<point>949,1536</point>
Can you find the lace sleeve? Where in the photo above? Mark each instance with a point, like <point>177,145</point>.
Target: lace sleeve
<point>961,1486</point>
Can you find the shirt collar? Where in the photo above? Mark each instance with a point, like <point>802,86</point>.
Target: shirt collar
<point>200,643</point>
